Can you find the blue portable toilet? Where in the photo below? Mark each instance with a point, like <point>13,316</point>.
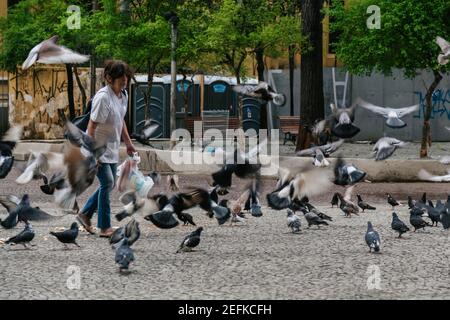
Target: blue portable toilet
<point>158,108</point>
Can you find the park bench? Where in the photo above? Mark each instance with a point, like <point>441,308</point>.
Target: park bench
<point>233,123</point>
<point>289,127</point>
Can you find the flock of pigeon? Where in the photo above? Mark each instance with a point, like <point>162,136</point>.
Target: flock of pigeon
<point>74,171</point>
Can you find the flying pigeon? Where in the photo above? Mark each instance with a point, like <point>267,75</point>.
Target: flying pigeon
<point>425,175</point>
<point>393,115</point>
<point>124,256</point>
<point>398,225</point>
<point>243,165</point>
<point>293,221</point>
<point>341,121</point>
<point>190,241</point>
<point>80,139</point>
<point>308,182</point>
<point>7,144</point>
<point>81,172</point>
<point>262,91</point>
<point>21,210</point>
<point>235,207</point>
<point>182,201</point>
<point>347,174</point>
<point>147,130</point>
<point>134,204</point>
<point>10,221</point>
<point>321,131</point>
<point>67,236</point>
<point>444,57</point>
<point>81,162</point>
<point>320,152</point>
<point>385,147</point>
<point>24,237</point>
<point>372,238</point>
<point>57,182</point>
<point>38,164</point>
<point>172,182</point>
<point>131,231</point>
<point>364,205</point>
<point>50,53</point>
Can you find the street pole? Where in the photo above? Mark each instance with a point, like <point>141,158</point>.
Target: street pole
<point>173,20</point>
<point>92,61</point>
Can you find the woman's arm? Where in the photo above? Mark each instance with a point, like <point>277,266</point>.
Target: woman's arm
<point>127,140</point>
<point>91,128</point>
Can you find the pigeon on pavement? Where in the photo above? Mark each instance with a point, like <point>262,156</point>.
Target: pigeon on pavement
<point>398,225</point>
<point>24,237</point>
<point>293,221</point>
<point>372,238</point>
<point>124,256</point>
<point>68,236</point>
<point>190,241</point>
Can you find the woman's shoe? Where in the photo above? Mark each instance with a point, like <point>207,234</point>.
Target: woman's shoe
<point>85,222</point>
<point>106,233</point>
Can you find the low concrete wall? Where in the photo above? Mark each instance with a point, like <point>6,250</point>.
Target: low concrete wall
<point>162,161</point>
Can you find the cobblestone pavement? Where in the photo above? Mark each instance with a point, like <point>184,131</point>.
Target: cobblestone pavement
<point>258,260</point>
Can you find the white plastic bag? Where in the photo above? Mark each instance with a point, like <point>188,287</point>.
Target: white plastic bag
<point>130,177</point>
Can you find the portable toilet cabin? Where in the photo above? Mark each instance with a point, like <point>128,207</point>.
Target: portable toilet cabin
<point>158,106</point>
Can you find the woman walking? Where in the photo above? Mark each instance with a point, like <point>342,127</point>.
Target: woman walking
<point>109,106</point>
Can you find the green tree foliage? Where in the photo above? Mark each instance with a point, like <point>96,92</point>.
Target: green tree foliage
<point>32,21</point>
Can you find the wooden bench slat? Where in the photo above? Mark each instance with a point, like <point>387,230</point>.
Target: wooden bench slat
<point>289,127</point>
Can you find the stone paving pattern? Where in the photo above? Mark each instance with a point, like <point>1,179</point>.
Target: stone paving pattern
<point>258,260</point>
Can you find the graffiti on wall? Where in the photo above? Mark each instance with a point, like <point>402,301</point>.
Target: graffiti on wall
<point>440,101</point>
<point>39,102</point>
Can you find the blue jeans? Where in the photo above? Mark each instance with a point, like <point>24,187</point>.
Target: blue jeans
<point>99,201</point>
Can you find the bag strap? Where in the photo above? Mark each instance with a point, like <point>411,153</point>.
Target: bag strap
<point>124,91</point>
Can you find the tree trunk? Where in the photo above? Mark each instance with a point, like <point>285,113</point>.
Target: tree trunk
<point>185,96</point>
<point>82,90</point>
<point>173,83</point>
<point>291,79</point>
<point>237,74</point>
<point>426,130</point>
<point>70,92</point>
<point>259,53</point>
<point>148,93</point>
<point>311,87</point>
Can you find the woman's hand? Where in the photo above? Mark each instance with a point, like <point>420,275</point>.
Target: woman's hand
<point>130,149</point>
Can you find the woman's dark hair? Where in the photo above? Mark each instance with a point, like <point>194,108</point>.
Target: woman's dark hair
<point>117,69</point>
